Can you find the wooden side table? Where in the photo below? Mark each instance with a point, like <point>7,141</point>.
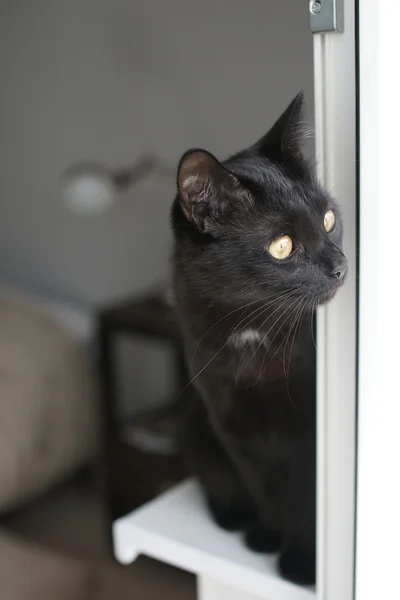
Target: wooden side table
<point>130,475</point>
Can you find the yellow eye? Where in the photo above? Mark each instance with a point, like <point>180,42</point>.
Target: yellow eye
<point>329,220</point>
<point>281,247</point>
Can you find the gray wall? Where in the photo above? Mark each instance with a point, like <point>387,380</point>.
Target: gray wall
<point>108,79</point>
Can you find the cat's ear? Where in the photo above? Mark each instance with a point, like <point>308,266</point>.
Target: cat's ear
<point>285,138</point>
<point>207,191</point>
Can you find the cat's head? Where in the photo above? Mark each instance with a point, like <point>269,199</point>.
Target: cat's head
<point>259,223</point>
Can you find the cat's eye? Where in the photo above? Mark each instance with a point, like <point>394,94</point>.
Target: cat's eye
<point>281,247</point>
<point>329,220</point>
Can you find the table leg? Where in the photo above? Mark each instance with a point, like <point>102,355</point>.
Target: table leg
<point>208,589</point>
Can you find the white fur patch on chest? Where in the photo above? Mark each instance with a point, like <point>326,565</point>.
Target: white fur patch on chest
<point>247,337</point>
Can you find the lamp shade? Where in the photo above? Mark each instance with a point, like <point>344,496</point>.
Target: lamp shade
<point>89,189</point>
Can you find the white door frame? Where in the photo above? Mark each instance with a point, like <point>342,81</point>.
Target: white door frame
<point>335,128</point>
<point>378,490</point>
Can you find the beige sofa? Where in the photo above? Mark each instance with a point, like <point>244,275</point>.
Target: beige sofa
<point>48,401</point>
<point>28,572</point>
<point>48,429</point>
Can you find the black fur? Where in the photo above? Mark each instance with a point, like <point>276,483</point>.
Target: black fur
<point>251,431</point>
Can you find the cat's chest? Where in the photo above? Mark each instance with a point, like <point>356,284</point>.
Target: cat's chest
<point>274,383</point>
<point>249,337</point>
<point>258,357</point>
<point>280,405</point>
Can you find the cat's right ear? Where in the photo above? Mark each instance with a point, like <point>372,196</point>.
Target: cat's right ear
<point>284,140</point>
<point>207,191</point>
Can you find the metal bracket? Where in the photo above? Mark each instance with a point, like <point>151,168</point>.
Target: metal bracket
<point>326,16</point>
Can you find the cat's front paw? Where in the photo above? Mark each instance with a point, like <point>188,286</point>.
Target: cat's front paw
<point>261,539</point>
<point>298,566</point>
<point>234,518</point>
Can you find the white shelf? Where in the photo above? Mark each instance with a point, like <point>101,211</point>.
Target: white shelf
<point>176,529</point>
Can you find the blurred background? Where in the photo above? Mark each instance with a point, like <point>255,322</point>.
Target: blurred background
<point>90,361</point>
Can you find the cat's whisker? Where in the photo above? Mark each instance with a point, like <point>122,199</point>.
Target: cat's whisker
<point>203,369</point>
<point>269,316</point>
<point>273,298</point>
<point>246,345</point>
<point>291,312</point>
<point>276,321</point>
<point>284,297</point>
<point>262,340</point>
<point>292,326</point>
<point>262,368</point>
<point>312,315</point>
<point>299,319</point>
<point>217,323</point>
<point>262,309</point>
<point>212,358</point>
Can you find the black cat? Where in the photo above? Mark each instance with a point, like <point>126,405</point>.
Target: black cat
<point>257,247</point>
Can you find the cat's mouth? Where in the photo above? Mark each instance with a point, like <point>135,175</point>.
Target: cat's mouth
<point>327,296</point>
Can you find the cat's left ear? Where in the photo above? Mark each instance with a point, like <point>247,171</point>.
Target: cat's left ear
<point>207,191</point>
<point>285,139</point>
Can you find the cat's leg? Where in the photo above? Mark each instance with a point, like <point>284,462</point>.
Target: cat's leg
<point>236,453</point>
<point>297,559</point>
<point>236,447</point>
<point>263,539</point>
<point>265,536</point>
<point>229,502</point>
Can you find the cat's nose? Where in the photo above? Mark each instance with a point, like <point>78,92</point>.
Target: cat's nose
<point>339,271</point>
